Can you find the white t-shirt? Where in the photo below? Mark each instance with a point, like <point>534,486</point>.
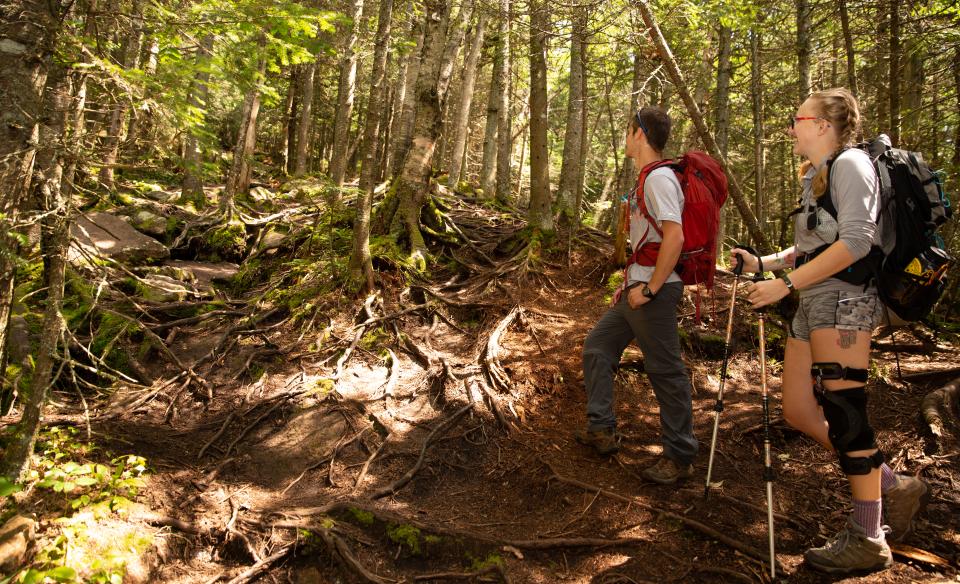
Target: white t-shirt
<point>664,199</point>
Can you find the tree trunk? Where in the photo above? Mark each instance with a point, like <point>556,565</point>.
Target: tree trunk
<point>284,148</point>
<point>404,119</point>
<point>736,193</point>
<point>238,180</point>
<point>894,75</point>
<point>498,82</point>
<point>504,119</point>
<point>54,240</point>
<point>915,81</point>
<point>345,96</point>
<point>461,119</point>
<point>956,92</point>
<point>361,264</point>
<point>131,55</point>
<point>721,106</point>
<point>28,36</point>
<point>570,168</point>
<point>848,47</point>
<point>803,49</point>
<point>414,180</point>
<point>756,89</point>
<point>539,216</point>
<point>628,171</point>
<point>585,136</point>
<point>193,156</point>
<point>305,119</point>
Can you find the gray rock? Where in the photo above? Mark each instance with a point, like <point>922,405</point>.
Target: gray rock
<point>19,340</point>
<point>162,196</point>
<point>108,235</point>
<point>160,288</point>
<point>272,240</point>
<point>16,538</point>
<point>262,195</point>
<point>150,223</point>
<point>202,274</point>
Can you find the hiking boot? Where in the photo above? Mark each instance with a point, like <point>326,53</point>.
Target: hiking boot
<point>667,472</point>
<point>604,440</point>
<point>902,502</point>
<point>851,551</point>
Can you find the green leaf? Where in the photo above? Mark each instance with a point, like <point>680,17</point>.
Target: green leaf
<point>8,488</point>
<point>87,481</point>
<point>62,574</point>
<point>32,577</point>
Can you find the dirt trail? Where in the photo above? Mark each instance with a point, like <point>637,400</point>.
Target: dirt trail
<point>306,476</point>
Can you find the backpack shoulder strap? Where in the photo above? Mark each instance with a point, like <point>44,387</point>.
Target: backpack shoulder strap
<point>641,195</point>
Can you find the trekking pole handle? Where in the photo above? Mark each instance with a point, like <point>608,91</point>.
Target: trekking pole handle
<point>739,267</point>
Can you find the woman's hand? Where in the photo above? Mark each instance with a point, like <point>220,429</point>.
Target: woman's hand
<point>750,261</point>
<point>766,292</point>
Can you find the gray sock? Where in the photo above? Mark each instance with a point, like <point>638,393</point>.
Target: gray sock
<point>867,515</point>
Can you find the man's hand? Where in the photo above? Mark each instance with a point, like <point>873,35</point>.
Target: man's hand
<point>635,297</point>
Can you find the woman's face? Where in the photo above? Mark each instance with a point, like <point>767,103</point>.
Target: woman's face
<point>810,132</point>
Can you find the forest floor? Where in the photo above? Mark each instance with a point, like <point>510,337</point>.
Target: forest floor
<point>435,443</point>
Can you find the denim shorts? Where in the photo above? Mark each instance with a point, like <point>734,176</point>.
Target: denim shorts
<point>852,311</point>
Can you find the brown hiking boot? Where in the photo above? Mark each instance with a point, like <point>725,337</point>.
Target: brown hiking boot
<point>851,551</point>
<point>902,502</point>
<point>604,441</point>
<point>667,472</point>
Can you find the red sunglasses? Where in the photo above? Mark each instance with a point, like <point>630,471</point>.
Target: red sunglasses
<point>794,119</point>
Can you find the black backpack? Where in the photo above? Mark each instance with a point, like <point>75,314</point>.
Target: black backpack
<point>910,264</point>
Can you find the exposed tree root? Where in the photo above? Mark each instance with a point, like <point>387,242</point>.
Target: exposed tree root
<point>490,356</point>
<point>251,573</point>
<point>939,409</point>
<point>342,553</point>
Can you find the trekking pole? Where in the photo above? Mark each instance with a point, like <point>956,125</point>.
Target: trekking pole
<point>768,475</point>
<point>718,407</point>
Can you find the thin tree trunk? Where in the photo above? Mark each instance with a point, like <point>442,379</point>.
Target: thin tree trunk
<point>131,55</point>
<point>894,75</point>
<point>539,216</point>
<point>305,119</point>
<point>736,193</point>
<point>287,128</point>
<point>345,96</point>
<point>239,179</point>
<point>461,119</point>
<point>848,48</point>
<point>585,136</point>
<point>956,92</point>
<point>498,81</point>
<point>756,89</point>
<point>722,102</point>
<point>914,75</point>
<point>404,119</point>
<point>803,49</point>
<point>570,168</point>
<point>54,240</point>
<point>193,156</point>
<point>504,119</point>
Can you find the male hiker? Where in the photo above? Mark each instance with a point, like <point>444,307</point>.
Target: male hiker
<point>646,311</point>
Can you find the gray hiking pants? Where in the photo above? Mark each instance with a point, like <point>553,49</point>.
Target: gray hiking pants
<point>654,326</point>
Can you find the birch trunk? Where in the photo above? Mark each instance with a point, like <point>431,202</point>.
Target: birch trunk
<point>404,119</point>
<point>345,96</point>
<point>461,119</point>
<point>238,180</point>
<point>539,216</point>
<point>305,119</point>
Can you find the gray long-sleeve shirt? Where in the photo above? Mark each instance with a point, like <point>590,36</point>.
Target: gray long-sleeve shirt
<point>854,190</point>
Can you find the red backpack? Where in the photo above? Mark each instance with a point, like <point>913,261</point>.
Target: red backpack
<point>704,187</point>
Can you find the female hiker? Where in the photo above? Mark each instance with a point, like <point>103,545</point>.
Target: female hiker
<point>828,350</point>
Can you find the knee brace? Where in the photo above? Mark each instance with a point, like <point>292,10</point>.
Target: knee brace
<point>846,413</point>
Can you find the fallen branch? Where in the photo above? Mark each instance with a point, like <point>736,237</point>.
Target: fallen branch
<point>251,573</point>
<point>341,551</point>
<point>938,404</point>
<point>441,428</point>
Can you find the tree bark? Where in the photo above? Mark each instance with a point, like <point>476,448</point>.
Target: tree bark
<point>504,119</point>
<point>414,180</point>
<point>345,96</point>
<point>131,56</point>
<point>305,119</point>
<point>193,156</point>
<point>539,216</point>
<point>404,119</point>
<point>361,264</point>
<point>803,49</point>
<point>287,130</point>
<point>498,83</point>
<point>756,89</point>
<point>915,82</point>
<point>848,48</point>
<point>894,74</point>
<point>736,193</point>
<point>721,105</point>
<point>28,36</point>
<point>570,168</point>
<point>54,240</point>
<point>238,180</point>
<point>461,119</point>
<point>956,92</point>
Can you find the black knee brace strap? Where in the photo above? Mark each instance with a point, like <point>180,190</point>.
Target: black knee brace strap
<point>846,414</point>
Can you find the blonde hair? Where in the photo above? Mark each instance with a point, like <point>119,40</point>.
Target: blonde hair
<point>839,107</point>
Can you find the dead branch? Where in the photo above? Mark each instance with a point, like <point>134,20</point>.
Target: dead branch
<point>341,551</point>
<point>710,532</point>
<point>251,573</point>
<point>195,319</point>
<point>366,310</point>
<point>441,428</point>
<point>939,404</point>
<point>366,465</point>
<point>496,568</point>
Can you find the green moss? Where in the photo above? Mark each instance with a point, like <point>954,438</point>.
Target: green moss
<point>363,517</point>
<point>374,338</point>
<point>405,535</point>
<point>480,564</point>
<point>228,241</point>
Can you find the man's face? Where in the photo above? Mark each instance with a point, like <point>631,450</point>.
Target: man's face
<point>634,139</point>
